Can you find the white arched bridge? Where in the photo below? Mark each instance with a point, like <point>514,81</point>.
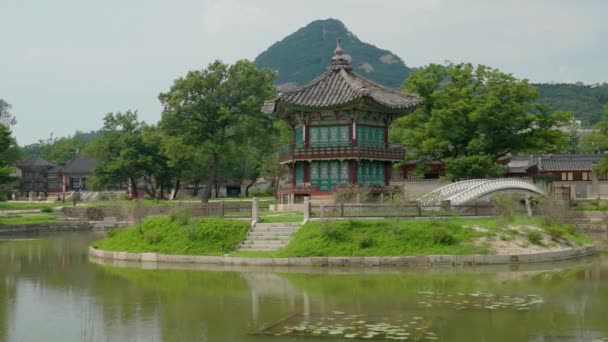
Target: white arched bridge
<point>460,193</point>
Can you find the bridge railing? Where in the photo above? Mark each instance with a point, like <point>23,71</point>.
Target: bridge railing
<point>485,188</point>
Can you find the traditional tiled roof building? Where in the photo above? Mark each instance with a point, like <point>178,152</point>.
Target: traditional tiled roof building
<point>340,122</point>
<point>39,175</point>
<point>77,171</point>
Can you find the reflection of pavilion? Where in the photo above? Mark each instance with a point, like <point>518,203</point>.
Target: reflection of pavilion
<point>274,286</point>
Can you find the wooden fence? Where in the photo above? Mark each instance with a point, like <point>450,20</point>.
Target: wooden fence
<point>396,210</point>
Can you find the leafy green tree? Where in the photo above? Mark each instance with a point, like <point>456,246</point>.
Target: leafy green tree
<point>476,111</point>
<point>472,167</point>
<point>9,153</point>
<point>597,140</point>
<point>128,150</point>
<point>59,150</point>
<point>214,108</point>
<point>6,118</point>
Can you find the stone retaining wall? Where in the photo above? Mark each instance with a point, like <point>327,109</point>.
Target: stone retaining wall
<point>430,260</point>
<point>61,227</point>
<point>44,227</point>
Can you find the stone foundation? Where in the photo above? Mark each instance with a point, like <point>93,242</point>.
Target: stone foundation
<point>429,260</point>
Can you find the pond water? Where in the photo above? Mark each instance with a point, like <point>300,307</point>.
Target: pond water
<point>50,291</point>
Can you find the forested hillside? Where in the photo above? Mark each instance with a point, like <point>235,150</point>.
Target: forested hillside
<point>586,101</point>
<point>305,54</point>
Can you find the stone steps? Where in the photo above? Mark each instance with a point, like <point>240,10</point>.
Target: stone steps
<point>268,237</point>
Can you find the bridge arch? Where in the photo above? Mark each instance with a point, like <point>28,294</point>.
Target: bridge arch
<point>460,193</point>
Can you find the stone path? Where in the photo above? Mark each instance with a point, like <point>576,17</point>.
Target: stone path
<point>268,237</point>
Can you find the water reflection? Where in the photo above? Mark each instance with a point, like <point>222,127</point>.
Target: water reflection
<point>50,291</point>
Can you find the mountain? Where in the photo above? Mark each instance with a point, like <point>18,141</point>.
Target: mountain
<point>305,54</point>
<point>586,101</point>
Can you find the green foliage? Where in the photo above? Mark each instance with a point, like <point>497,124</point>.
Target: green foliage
<point>217,111</point>
<point>470,167</point>
<point>46,209</point>
<point>586,101</point>
<point>161,234</point>
<point>181,215</point>
<point>8,145</point>
<point>127,150</point>
<point>30,219</point>
<point>476,111</point>
<point>60,150</point>
<point>300,65</point>
<point>442,236</point>
<point>534,237</point>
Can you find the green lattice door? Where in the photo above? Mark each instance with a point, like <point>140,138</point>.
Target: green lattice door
<point>371,173</point>
<point>326,174</point>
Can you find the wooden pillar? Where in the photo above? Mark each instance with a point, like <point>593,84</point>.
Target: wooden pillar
<point>306,132</point>
<point>353,133</point>
<point>293,175</point>
<point>387,173</point>
<point>386,136</point>
<point>353,171</point>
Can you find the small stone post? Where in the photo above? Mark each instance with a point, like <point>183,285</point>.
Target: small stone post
<point>306,208</point>
<point>321,209</point>
<point>255,206</point>
<point>528,206</point>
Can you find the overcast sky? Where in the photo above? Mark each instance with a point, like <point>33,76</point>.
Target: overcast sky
<point>66,63</point>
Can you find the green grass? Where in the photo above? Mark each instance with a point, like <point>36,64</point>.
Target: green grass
<point>285,216</point>
<point>28,205</point>
<point>591,205</point>
<point>162,234</point>
<point>30,219</point>
<point>405,237</point>
<point>380,238</point>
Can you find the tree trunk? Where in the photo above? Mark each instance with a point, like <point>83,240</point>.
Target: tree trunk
<point>134,188</point>
<point>196,188</point>
<point>217,189</point>
<point>247,188</point>
<point>175,189</point>
<point>211,179</point>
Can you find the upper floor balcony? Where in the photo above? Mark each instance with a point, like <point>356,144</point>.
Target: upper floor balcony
<point>288,153</point>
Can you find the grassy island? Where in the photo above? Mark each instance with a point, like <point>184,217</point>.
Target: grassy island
<point>378,237</point>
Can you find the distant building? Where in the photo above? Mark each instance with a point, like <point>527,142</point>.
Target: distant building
<point>42,177</point>
<point>572,173</point>
<point>35,174</point>
<point>340,122</point>
<point>77,172</point>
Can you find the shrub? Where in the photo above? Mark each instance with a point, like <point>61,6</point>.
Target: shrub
<point>331,231</point>
<point>46,209</point>
<point>366,242</point>
<point>152,237</point>
<point>112,232</point>
<point>555,232</point>
<point>443,236</point>
<point>535,237</point>
<point>180,215</point>
<point>261,192</point>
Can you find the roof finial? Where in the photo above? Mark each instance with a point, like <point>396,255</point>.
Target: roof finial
<point>338,51</point>
<point>339,60</point>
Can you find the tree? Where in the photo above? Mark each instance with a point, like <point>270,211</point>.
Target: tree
<point>476,111</point>
<point>128,150</point>
<point>8,145</point>
<point>214,108</point>
<point>597,141</point>
<point>6,118</point>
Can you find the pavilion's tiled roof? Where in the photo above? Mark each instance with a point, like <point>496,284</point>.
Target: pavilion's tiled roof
<point>554,162</point>
<point>80,163</point>
<point>338,86</point>
<point>34,161</point>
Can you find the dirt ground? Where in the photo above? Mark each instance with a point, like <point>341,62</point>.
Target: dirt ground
<point>518,243</point>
